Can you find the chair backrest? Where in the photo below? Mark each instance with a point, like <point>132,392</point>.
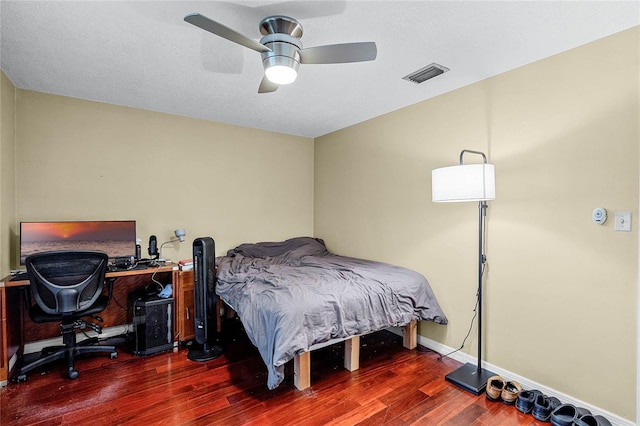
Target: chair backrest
<point>63,282</point>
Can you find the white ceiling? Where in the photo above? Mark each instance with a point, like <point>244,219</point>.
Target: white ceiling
<point>143,55</point>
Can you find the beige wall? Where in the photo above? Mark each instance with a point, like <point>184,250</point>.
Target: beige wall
<point>81,160</point>
<point>7,172</point>
<point>561,292</point>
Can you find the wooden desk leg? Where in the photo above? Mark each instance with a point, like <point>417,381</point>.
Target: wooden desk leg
<point>302,370</point>
<point>352,353</point>
<point>11,336</point>
<point>410,335</point>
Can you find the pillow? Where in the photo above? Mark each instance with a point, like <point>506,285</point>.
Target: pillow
<point>294,247</point>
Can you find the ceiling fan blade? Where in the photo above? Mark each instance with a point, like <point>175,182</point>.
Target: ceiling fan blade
<point>339,53</point>
<point>266,86</point>
<point>220,30</point>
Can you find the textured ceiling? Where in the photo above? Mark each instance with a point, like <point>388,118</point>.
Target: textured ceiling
<point>143,55</point>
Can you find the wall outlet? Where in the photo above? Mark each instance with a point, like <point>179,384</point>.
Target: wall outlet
<point>623,221</point>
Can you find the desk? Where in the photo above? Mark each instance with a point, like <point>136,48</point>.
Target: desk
<point>16,328</point>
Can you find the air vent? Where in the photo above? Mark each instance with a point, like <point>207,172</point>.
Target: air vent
<point>426,73</point>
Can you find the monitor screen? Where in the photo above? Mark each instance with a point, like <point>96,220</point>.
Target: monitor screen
<point>116,238</point>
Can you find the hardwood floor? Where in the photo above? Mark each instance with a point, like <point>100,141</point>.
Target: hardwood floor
<point>394,386</point>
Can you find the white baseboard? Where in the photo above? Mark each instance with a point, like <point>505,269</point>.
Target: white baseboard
<point>526,383</point>
<point>37,346</point>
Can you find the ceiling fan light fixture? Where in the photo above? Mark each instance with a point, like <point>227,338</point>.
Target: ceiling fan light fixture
<point>281,69</point>
<point>281,74</point>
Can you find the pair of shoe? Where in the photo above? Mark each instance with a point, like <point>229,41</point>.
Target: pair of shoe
<point>569,415</point>
<point>499,388</point>
<point>526,399</point>
<point>543,406</point>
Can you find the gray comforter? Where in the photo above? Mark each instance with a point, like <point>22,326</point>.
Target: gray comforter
<point>294,294</point>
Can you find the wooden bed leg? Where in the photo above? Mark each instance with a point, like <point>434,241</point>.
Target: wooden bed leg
<point>410,335</point>
<point>352,353</point>
<point>302,370</point>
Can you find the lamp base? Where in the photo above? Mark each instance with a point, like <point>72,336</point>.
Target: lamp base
<point>470,378</point>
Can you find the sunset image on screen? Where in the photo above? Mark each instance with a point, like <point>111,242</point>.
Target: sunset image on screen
<point>116,238</point>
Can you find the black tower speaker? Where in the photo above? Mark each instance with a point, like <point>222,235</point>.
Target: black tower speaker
<point>204,280</point>
<point>152,319</point>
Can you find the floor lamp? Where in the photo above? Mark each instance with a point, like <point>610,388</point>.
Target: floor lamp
<point>469,182</point>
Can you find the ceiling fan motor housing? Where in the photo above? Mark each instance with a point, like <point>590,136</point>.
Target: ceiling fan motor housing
<point>280,24</point>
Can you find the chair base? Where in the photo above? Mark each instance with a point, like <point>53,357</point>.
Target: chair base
<point>64,353</point>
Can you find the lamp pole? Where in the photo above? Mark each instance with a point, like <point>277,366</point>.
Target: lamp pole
<point>482,213</point>
<point>469,182</point>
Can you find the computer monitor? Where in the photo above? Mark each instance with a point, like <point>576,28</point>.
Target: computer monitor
<point>117,238</point>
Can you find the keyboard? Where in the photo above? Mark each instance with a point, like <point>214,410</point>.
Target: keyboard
<point>20,276</point>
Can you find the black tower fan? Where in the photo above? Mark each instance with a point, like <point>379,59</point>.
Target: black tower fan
<point>204,280</point>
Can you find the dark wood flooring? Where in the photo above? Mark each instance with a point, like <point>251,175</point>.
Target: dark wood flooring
<point>394,386</point>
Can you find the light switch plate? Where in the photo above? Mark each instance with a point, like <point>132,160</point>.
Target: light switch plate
<point>623,221</point>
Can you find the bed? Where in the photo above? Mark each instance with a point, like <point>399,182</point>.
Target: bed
<point>295,296</point>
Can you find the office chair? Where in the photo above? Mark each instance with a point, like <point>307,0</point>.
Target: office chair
<point>67,286</point>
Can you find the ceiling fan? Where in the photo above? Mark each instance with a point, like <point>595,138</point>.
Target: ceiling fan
<point>281,48</point>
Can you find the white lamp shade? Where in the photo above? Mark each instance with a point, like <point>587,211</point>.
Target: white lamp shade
<point>466,182</point>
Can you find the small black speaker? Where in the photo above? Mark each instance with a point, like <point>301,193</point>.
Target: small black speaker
<point>153,247</point>
<point>152,319</point>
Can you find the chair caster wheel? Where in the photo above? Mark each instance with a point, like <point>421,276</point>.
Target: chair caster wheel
<point>113,355</point>
<point>73,374</point>
<point>21,378</point>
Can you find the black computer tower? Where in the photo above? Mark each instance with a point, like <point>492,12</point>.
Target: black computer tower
<point>152,319</point>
